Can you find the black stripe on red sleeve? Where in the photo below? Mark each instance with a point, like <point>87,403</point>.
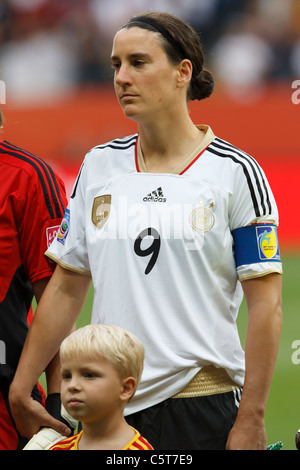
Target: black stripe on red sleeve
<point>45,174</point>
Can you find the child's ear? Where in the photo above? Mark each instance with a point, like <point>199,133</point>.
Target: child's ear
<point>128,388</point>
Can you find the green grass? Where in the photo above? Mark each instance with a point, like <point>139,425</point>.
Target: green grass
<point>283,409</point>
<point>283,412</point>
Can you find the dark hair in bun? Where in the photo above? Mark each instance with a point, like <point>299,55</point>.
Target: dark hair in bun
<point>201,86</point>
<point>180,41</point>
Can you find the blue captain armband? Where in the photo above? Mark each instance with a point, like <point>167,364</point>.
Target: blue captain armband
<point>256,244</point>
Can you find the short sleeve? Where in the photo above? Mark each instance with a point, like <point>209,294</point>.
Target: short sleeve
<point>253,222</point>
<point>38,216</point>
<point>69,246</point>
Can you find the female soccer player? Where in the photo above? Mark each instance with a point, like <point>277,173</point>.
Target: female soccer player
<point>173,225</point>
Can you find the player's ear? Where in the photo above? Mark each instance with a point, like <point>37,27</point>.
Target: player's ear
<point>128,388</point>
<point>184,73</point>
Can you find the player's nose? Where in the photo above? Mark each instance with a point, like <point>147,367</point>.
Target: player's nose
<point>123,76</point>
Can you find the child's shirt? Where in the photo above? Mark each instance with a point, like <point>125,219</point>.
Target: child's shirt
<point>71,443</point>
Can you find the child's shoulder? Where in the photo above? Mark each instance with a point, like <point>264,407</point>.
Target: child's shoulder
<point>138,442</point>
<point>69,443</point>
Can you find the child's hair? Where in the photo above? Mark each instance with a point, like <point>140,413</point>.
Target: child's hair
<point>121,348</point>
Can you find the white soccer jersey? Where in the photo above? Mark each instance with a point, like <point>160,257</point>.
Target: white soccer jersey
<point>160,249</point>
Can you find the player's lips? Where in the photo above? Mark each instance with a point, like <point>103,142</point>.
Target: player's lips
<point>127,97</point>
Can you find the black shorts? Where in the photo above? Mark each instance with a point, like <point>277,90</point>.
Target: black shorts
<point>200,423</point>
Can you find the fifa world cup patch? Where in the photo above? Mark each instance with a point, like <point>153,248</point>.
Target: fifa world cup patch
<point>51,234</point>
<point>256,244</point>
<point>64,228</point>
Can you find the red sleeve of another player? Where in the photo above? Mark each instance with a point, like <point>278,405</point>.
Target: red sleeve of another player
<point>40,217</point>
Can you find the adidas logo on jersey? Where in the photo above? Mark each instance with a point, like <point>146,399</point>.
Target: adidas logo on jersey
<point>155,196</point>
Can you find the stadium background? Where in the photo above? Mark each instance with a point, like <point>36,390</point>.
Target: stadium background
<point>57,96</point>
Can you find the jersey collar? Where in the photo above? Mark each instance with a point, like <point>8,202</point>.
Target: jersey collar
<point>188,162</point>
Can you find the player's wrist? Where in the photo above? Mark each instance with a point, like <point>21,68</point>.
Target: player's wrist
<point>252,414</point>
<point>18,395</point>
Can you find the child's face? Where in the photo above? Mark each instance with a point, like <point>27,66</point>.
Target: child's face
<point>91,390</point>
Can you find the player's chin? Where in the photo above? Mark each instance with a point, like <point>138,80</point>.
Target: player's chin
<point>131,111</point>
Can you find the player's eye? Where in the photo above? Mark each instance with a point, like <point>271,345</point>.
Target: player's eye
<point>116,66</point>
<point>138,63</point>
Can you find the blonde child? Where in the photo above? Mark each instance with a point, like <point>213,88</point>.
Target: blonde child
<point>101,366</point>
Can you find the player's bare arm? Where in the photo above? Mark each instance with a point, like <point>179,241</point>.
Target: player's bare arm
<point>56,314</point>
<point>263,297</point>
<point>53,369</point>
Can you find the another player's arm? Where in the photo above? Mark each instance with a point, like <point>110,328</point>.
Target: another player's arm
<point>55,316</point>
<point>263,297</point>
<point>52,371</point>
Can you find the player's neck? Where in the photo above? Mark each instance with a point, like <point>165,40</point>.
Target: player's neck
<point>165,147</point>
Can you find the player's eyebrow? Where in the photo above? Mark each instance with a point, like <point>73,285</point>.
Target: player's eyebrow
<point>136,55</point>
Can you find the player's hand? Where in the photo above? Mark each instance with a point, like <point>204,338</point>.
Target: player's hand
<point>248,433</point>
<point>30,416</point>
<point>47,437</point>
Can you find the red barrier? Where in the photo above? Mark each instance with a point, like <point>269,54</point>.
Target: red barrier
<point>283,175</point>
